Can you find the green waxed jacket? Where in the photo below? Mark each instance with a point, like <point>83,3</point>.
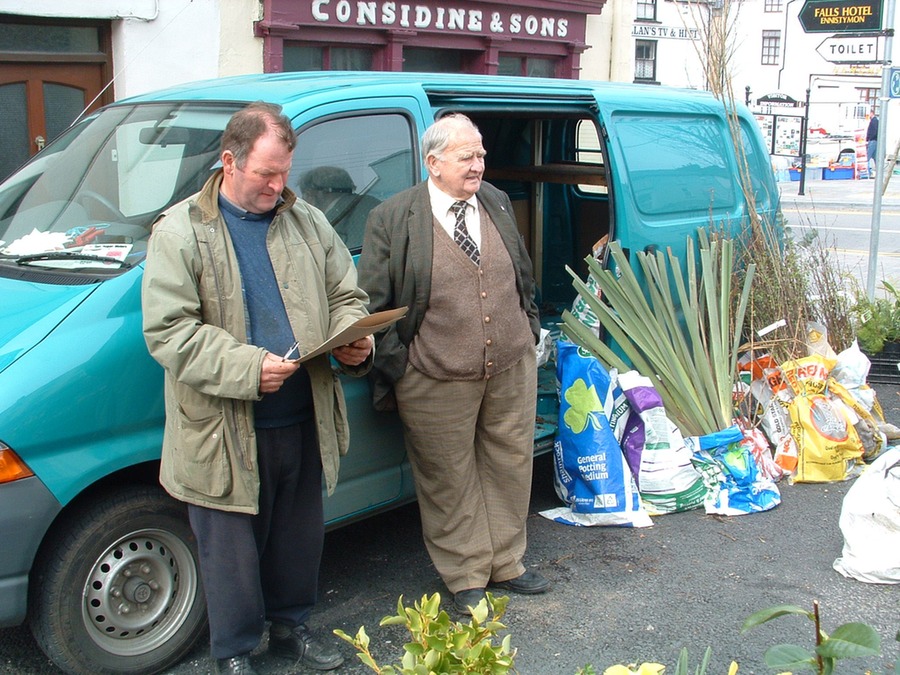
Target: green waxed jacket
<point>195,327</point>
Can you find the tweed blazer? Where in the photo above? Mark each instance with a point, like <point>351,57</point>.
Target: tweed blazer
<point>395,270</point>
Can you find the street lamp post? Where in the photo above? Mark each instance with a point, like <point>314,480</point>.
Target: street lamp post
<point>804,125</point>
<point>881,179</point>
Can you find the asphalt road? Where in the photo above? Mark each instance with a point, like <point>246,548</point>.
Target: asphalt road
<point>623,595</point>
<point>619,595</point>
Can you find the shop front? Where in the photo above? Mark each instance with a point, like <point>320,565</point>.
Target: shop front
<point>541,38</point>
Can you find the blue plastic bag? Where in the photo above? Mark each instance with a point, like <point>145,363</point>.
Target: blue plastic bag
<point>736,486</point>
<point>591,475</point>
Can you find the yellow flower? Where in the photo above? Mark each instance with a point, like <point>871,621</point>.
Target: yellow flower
<point>643,669</point>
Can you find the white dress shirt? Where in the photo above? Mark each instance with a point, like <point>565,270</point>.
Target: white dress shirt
<point>440,207</point>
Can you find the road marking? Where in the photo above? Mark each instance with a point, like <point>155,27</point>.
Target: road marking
<point>812,226</point>
<point>881,254</point>
<point>840,212</point>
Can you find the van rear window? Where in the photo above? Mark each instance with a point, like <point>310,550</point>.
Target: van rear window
<point>676,163</point>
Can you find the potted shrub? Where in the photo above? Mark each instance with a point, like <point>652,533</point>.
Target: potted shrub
<point>878,332</point>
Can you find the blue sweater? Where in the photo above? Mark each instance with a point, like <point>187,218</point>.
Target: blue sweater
<point>267,321</point>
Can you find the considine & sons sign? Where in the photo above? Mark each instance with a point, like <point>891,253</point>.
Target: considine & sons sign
<point>440,18</point>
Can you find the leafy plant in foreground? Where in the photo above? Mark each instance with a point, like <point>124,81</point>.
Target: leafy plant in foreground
<point>849,640</point>
<point>440,645</point>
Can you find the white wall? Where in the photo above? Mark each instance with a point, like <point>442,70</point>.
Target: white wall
<point>159,43</point>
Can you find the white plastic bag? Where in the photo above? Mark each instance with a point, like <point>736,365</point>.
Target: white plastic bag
<point>870,523</point>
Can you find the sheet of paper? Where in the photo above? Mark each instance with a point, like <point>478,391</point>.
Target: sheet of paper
<point>365,326</point>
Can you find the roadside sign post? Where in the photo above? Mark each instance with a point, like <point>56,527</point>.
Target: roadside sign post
<point>863,18</point>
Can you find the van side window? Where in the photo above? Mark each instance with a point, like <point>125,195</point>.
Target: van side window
<point>587,151</point>
<point>676,163</point>
<point>758,164</point>
<point>347,166</point>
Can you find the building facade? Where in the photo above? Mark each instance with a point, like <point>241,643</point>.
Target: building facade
<point>61,59</point>
<point>771,59</point>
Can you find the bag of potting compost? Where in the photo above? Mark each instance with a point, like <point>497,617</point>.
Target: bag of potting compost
<point>762,454</point>
<point>735,485</point>
<point>870,436</point>
<point>590,473</point>
<point>775,421</point>
<point>772,396</point>
<point>581,310</point>
<point>655,451</point>
<point>852,371</point>
<point>827,443</point>
<point>870,523</point>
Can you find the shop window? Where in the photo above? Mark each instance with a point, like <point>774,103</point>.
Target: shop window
<point>349,165</point>
<point>298,57</point>
<point>645,61</point>
<point>774,5</point>
<point>646,10</point>
<point>771,47</point>
<point>527,66</point>
<point>424,60</point>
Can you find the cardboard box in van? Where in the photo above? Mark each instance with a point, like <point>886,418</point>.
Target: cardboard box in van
<point>81,401</point>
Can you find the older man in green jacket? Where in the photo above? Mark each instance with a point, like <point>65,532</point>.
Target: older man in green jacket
<point>235,275</point>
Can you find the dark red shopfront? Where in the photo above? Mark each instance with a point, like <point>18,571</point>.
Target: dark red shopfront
<point>525,37</point>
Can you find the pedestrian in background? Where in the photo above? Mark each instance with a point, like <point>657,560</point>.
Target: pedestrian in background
<point>461,365</point>
<point>872,145</point>
<point>234,275</point>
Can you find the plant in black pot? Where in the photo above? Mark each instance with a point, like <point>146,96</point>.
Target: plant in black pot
<point>878,332</point>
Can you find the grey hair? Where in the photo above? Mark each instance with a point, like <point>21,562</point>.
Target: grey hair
<point>437,136</point>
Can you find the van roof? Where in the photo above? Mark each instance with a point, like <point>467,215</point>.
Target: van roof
<point>284,88</point>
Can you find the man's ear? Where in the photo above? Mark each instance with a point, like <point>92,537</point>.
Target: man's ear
<point>432,164</point>
<point>228,162</point>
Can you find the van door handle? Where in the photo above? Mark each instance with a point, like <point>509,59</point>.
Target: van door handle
<point>651,249</point>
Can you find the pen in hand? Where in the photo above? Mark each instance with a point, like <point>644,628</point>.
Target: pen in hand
<point>290,351</point>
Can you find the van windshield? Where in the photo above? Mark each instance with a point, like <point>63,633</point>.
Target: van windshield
<point>88,200</point>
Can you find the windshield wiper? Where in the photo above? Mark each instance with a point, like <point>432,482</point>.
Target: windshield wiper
<point>65,255</point>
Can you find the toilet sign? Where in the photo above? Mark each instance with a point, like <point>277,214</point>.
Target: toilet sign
<point>849,49</point>
<point>840,16</point>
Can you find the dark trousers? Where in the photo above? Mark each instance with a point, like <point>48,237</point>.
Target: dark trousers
<point>265,567</point>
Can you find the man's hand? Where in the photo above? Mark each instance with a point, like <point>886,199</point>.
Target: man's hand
<point>354,353</point>
<point>275,371</point>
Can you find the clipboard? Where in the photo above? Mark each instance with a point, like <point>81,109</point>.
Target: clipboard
<point>361,328</point>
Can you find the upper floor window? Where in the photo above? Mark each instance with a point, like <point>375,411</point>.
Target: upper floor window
<point>646,10</point>
<point>869,96</point>
<point>645,60</point>
<point>774,5</point>
<point>771,47</point>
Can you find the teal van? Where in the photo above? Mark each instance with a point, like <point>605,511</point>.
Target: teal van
<point>97,559</point>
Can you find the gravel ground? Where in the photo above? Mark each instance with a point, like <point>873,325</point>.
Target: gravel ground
<point>619,595</point>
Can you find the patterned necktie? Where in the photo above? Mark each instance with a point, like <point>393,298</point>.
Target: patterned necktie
<point>461,233</point>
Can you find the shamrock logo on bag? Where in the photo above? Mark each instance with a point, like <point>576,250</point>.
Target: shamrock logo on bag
<point>584,405</point>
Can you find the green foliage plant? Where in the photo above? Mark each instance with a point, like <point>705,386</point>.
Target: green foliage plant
<point>683,331</point>
<point>440,646</point>
<point>877,319</point>
<point>849,640</point>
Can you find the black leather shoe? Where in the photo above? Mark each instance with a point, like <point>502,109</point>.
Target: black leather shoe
<point>300,645</point>
<point>528,583</point>
<point>465,600</point>
<point>236,665</point>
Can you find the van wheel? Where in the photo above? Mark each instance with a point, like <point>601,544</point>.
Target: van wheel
<point>117,588</point>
